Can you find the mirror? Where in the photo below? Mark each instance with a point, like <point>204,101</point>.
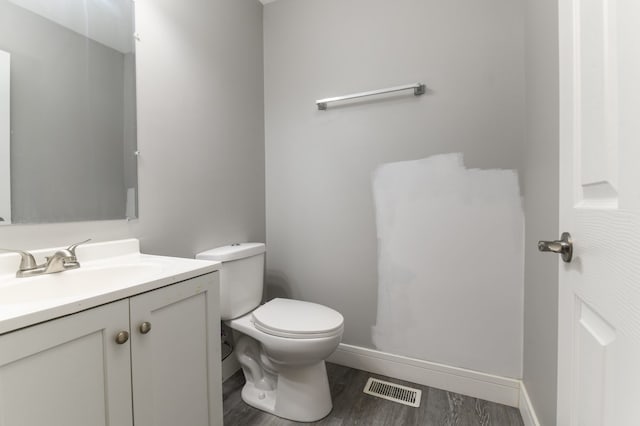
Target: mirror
<point>67,111</point>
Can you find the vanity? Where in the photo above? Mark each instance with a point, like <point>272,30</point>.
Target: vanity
<point>121,338</point>
<point>125,339</point>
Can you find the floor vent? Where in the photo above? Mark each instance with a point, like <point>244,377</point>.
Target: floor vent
<point>392,392</point>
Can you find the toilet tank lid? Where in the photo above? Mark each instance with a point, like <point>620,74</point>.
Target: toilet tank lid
<point>232,252</point>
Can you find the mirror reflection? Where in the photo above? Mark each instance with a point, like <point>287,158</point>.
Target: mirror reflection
<point>67,111</point>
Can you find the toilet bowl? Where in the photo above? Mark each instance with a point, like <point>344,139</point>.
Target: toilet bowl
<point>282,344</point>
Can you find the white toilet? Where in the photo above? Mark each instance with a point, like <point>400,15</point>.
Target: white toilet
<point>283,343</point>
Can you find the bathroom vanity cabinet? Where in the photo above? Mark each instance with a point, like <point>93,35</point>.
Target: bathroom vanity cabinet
<point>151,359</point>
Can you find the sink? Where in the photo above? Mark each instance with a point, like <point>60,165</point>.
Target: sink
<point>74,283</point>
<point>109,271</point>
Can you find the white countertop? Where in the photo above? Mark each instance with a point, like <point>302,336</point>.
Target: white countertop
<point>109,271</point>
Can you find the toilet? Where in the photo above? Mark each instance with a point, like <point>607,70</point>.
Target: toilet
<point>282,344</point>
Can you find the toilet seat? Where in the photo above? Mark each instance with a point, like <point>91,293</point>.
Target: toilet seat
<point>297,320</point>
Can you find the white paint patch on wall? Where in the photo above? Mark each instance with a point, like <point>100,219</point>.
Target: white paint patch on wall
<point>450,264</point>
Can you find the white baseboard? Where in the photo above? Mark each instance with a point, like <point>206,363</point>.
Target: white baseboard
<point>502,390</point>
<point>493,388</point>
<point>526,408</point>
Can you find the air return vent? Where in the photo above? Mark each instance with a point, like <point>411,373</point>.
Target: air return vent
<point>392,392</point>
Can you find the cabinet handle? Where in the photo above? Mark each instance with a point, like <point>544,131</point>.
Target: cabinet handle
<point>145,327</point>
<point>122,337</point>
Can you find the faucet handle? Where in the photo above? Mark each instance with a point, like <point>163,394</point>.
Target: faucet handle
<point>72,247</point>
<point>27,261</point>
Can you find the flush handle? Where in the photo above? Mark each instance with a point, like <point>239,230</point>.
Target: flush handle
<point>563,246</point>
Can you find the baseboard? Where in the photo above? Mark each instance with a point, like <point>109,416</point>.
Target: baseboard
<point>526,408</point>
<point>493,388</point>
<point>502,390</point>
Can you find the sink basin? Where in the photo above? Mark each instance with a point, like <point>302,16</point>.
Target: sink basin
<point>109,271</point>
<point>74,283</point>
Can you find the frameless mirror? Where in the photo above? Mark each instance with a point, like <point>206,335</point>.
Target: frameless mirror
<point>67,111</point>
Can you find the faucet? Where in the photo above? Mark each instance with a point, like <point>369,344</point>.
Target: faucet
<point>61,260</point>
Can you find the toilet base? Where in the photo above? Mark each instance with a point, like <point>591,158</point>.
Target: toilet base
<point>301,394</point>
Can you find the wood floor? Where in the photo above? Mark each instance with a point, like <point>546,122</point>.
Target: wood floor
<point>352,407</point>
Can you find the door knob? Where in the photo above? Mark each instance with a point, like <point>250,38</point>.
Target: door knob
<point>563,246</point>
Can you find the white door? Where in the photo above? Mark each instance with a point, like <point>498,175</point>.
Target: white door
<point>68,372</point>
<point>599,312</point>
<point>175,355</point>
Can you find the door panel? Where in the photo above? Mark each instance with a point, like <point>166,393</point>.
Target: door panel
<point>594,337</point>
<point>595,104</point>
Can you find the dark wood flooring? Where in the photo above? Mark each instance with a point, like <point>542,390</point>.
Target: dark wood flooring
<point>353,407</point>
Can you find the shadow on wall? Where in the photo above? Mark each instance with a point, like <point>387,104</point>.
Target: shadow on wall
<point>276,285</point>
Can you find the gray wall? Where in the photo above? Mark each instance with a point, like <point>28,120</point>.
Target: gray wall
<point>200,124</point>
<point>200,127</point>
<point>320,215</point>
<point>541,207</point>
<point>66,120</point>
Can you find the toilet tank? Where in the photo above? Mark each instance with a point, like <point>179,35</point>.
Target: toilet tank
<point>241,277</point>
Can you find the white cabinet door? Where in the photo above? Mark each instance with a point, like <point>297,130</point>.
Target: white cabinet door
<point>176,364</point>
<point>68,372</point>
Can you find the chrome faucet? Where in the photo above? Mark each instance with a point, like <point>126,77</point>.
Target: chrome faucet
<point>61,260</point>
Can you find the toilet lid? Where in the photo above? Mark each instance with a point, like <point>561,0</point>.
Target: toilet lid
<point>297,319</point>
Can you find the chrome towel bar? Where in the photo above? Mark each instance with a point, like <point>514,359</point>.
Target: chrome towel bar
<point>418,89</point>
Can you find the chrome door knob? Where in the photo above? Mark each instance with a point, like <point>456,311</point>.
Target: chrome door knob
<point>145,327</point>
<point>122,337</point>
<point>563,246</point>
